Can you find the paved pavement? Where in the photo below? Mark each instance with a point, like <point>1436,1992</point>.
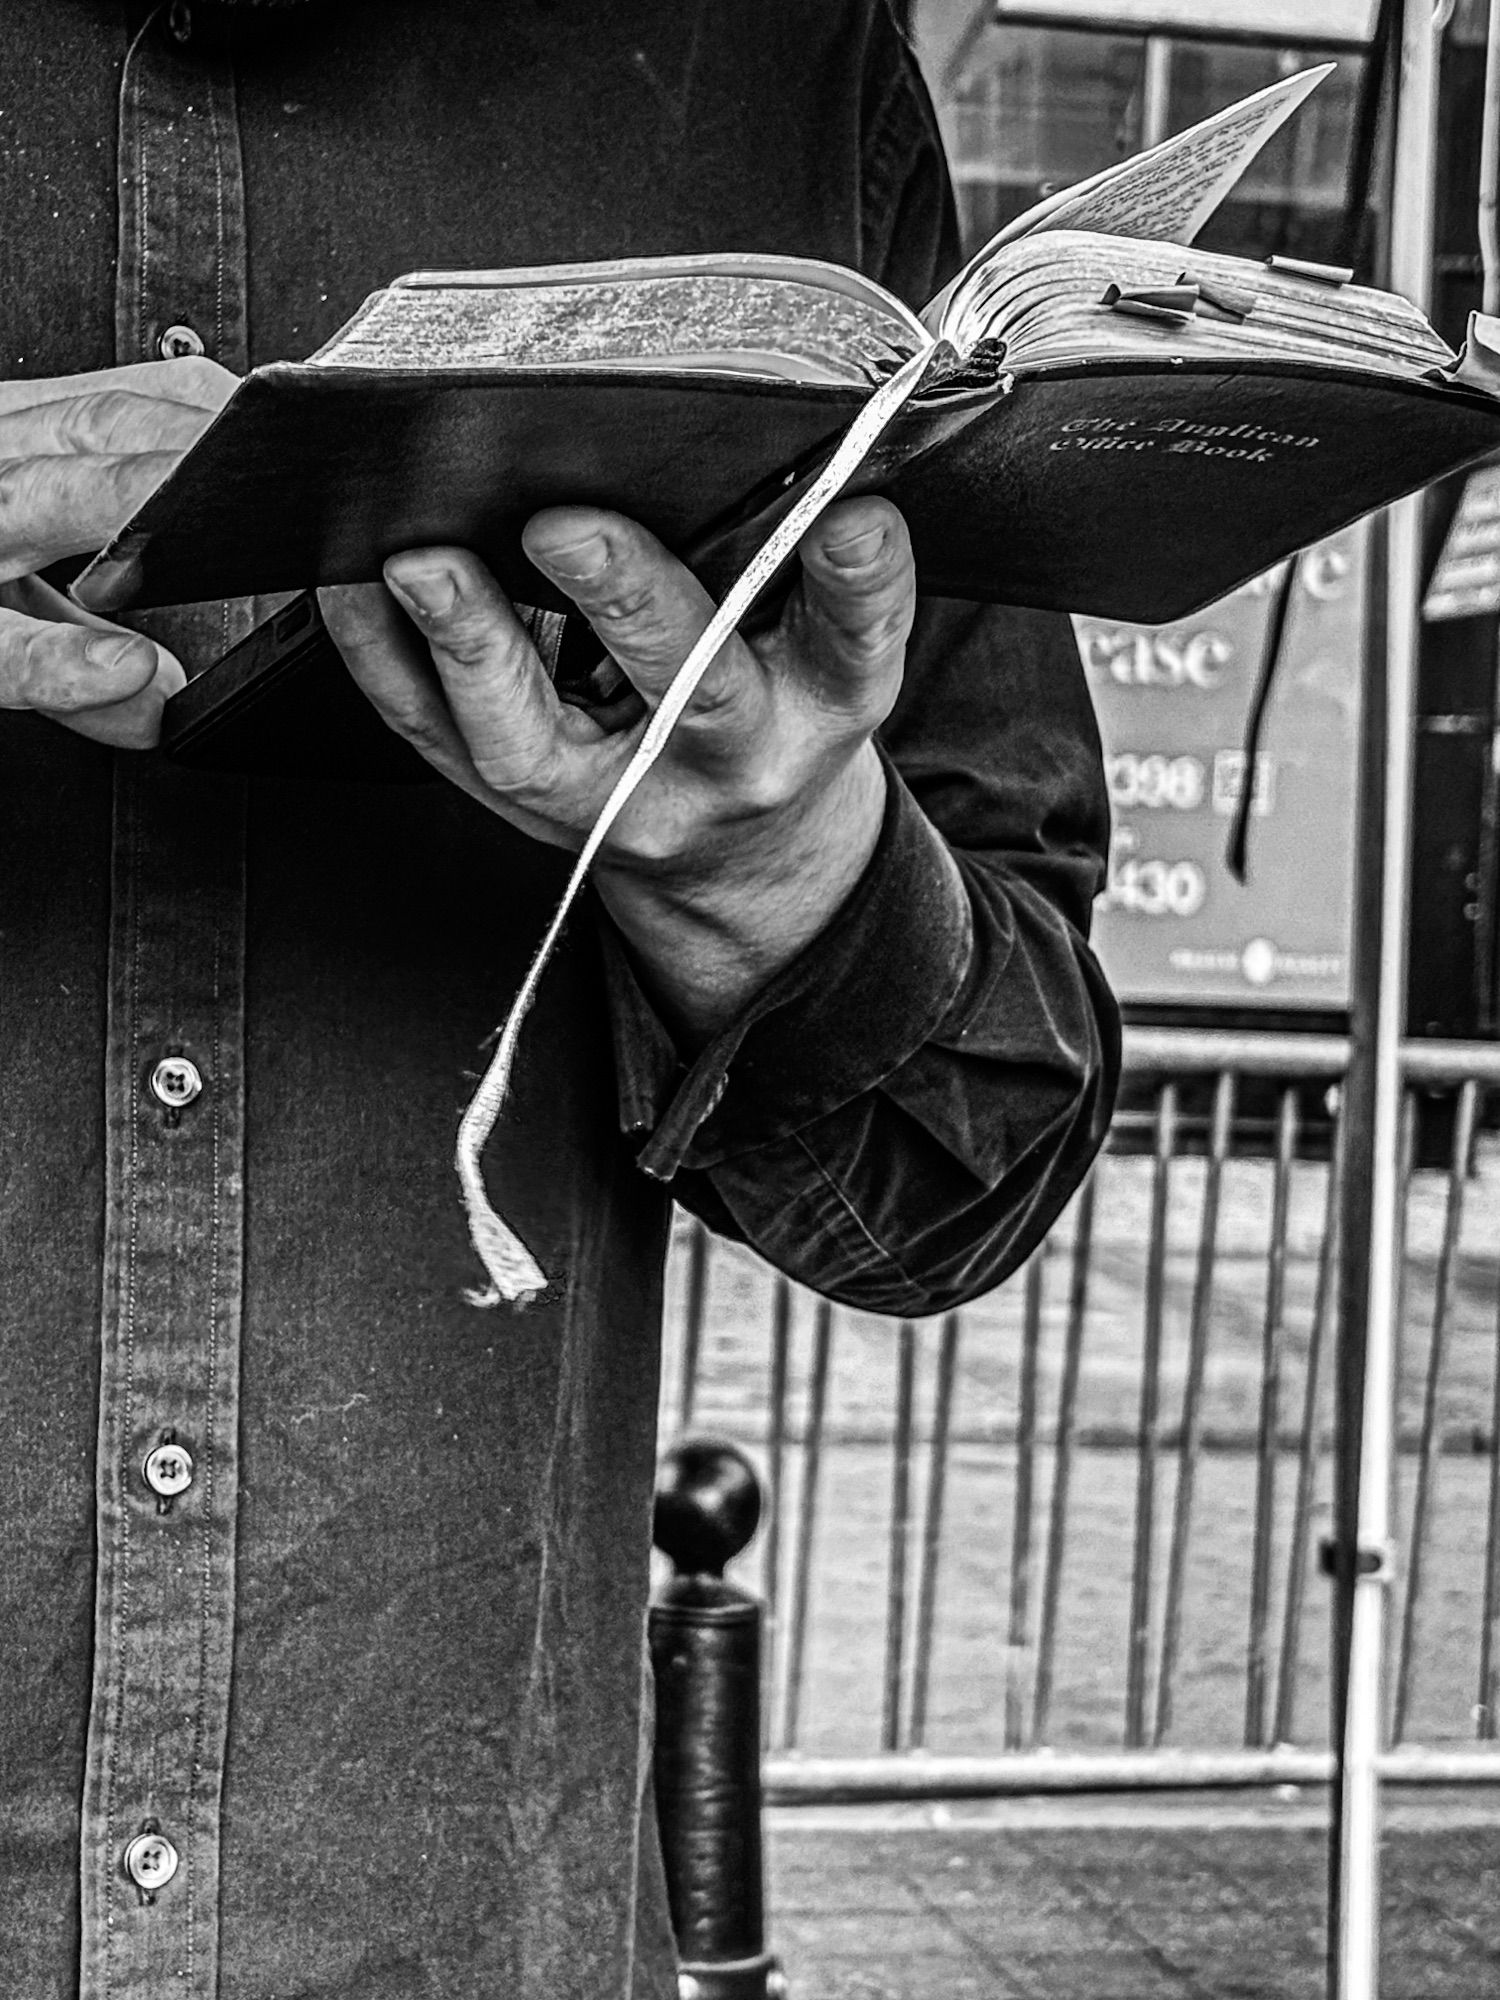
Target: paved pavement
<point>1101,1900</point>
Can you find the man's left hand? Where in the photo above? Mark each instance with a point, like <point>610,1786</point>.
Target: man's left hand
<point>764,808</point>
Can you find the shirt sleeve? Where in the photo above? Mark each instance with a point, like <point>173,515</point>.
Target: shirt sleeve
<point>897,1118</point>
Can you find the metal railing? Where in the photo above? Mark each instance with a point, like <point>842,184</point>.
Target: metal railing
<point>1069,1535</point>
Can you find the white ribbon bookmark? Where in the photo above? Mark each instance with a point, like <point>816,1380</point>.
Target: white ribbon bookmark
<point>514,1273</point>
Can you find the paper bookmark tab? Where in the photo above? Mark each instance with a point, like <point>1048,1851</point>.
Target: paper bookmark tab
<point>1319,274</point>
<point>1238,301</point>
<point>1173,303</point>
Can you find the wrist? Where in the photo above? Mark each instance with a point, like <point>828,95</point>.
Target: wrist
<point>710,931</point>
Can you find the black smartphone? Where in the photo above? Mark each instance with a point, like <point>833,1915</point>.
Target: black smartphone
<point>281,704</point>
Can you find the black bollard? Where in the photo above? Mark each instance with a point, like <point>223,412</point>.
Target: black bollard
<point>705,1648</point>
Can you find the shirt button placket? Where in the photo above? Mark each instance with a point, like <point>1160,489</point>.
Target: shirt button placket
<point>169,1368</point>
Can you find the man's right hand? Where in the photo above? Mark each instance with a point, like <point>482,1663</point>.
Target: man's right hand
<point>78,455</point>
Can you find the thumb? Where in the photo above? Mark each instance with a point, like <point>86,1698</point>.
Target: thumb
<point>859,593</point>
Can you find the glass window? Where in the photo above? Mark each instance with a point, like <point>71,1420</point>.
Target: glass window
<point>1030,109</point>
<point>1292,197</point>
<point>1026,110</point>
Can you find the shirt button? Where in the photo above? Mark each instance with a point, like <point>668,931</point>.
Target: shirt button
<point>175,343</point>
<point>175,1081</point>
<point>169,1470</point>
<point>151,1861</point>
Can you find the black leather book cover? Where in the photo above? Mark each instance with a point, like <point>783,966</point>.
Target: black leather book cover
<point>1137,489</point>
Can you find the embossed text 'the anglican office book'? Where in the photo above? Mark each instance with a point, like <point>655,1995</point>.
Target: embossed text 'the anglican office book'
<point>1097,419</point>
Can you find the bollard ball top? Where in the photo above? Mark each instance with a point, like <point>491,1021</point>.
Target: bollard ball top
<point>707,1505</point>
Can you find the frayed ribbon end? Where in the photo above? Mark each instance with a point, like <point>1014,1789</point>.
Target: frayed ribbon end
<point>515,1275</point>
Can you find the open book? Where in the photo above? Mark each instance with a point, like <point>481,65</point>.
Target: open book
<point>1092,417</point>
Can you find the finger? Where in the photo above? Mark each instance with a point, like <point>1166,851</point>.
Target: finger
<point>194,380</point>
<point>858,597</point>
<point>386,660</point>
<point>103,421</point>
<point>110,685</point>
<point>384,657</point>
<point>498,692</point>
<point>52,507</point>
<point>647,609</point>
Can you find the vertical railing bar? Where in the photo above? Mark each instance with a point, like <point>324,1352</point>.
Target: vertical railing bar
<point>1309,1453</point>
<point>1489,1631</point>
<point>1190,1436</point>
<point>1402,1361</point>
<point>932,1528</point>
<point>1453,1215</point>
<point>1021,1515</point>
<point>1268,1438</point>
<point>1139,1640</point>
<point>1062,1464</point>
<point>895,1597</point>
<point>807,1513</point>
<point>781,1342</point>
<point>1407,1142</point>
<point>694,1313</point>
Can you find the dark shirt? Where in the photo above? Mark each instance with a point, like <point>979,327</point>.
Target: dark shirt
<point>373,1676</point>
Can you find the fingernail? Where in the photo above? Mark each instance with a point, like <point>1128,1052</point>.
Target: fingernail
<point>427,592</point>
<point>577,561</point>
<point>111,650</point>
<point>857,553</point>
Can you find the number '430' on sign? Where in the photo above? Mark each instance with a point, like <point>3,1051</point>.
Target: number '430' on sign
<point>1172,925</point>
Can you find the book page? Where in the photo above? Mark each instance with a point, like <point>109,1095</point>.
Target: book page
<point>1044,297</point>
<point>1169,193</point>
<point>1165,194</point>
<point>698,320</point>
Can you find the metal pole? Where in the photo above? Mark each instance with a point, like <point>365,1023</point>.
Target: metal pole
<point>1369,1331</point>
<point>1489,165</point>
<point>1156,84</point>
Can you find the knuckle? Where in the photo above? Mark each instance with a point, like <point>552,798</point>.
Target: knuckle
<point>199,378</point>
<point>874,635</point>
<point>625,601</point>
<point>42,657</point>
<point>536,789</point>
<point>87,424</point>
<point>123,484</point>
<point>468,642</point>
<point>762,789</point>
<point>718,697</point>
<point>421,731</point>
<point>17,499</point>
<point>489,657</point>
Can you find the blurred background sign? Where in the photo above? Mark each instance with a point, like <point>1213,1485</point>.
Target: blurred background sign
<point>1173,927</point>
<point>1034,97</point>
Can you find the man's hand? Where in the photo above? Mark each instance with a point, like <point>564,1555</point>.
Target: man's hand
<point>78,455</point>
<point>763,810</point>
